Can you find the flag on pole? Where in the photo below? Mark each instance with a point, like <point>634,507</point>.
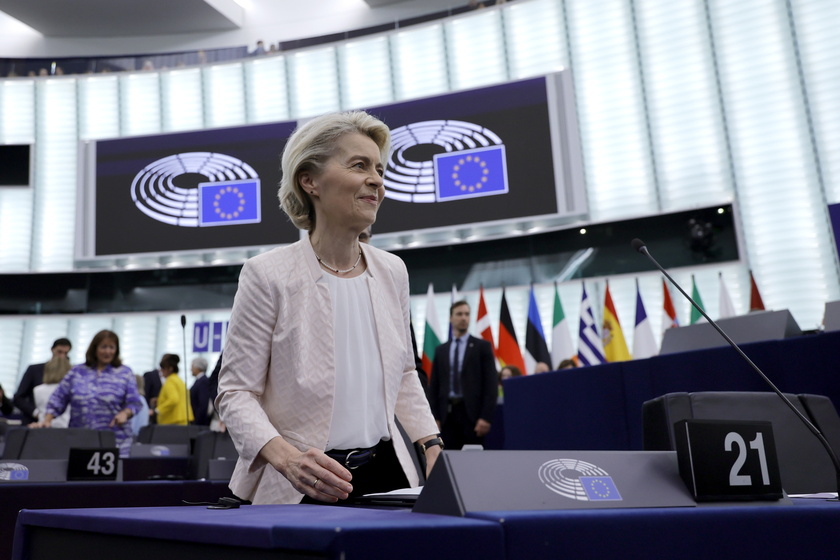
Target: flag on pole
<point>508,351</point>
<point>482,323</point>
<point>562,347</point>
<point>536,349</point>
<point>590,349</point>
<point>756,303</point>
<point>725,307</point>
<point>644,344</point>
<point>431,338</point>
<point>615,347</point>
<point>669,320</point>
<point>696,316</point>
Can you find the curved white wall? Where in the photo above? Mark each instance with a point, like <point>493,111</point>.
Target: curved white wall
<point>269,20</point>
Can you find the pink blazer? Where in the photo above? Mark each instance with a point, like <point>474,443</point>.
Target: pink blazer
<point>278,373</point>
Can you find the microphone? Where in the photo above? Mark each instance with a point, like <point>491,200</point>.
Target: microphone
<point>639,245</point>
<point>186,392</point>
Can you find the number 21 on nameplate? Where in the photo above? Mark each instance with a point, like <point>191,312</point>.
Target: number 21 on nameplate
<point>723,460</point>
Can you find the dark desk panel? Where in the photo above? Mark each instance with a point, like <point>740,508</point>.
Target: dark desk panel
<point>804,530</point>
<point>280,531</point>
<point>600,407</point>
<point>34,495</point>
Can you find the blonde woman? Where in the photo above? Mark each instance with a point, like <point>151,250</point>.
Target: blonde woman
<point>54,372</point>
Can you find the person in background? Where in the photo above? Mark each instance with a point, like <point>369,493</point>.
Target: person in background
<point>141,419</point>
<point>173,405</point>
<point>33,376</point>
<point>318,355</point>
<point>567,364</point>
<point>6,406</point>
<point>152,382</point>
<point>542,367</point>
<point>463,389</point>
<point>54,372</point>
<point>506,373</point>
<point>101,392</point>
<point>200,392</point>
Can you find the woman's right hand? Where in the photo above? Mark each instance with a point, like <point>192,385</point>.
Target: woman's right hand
<point>42,424</point>
<point>311,472</point>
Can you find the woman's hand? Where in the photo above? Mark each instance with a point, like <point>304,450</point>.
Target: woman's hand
<point>121,418</point>
<point>311,472</point>
<point>45,423</point>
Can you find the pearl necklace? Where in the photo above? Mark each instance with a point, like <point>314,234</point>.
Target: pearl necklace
<point>337,271</point>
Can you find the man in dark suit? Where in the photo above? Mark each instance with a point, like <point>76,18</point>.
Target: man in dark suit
<point>33,376</point>
<point>152,383</point>
<point>463,387</point>
<point>200,392</point>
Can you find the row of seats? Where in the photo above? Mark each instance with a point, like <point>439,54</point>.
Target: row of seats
<point>155,445</point>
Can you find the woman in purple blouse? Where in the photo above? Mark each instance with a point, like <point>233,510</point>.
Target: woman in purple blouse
<point>102,393</point>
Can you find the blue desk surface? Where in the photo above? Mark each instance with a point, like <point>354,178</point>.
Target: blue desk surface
<point>805,529</point>
<point>345,532</point>
<point>15,496</point>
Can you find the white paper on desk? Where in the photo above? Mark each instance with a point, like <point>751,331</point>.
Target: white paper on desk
<point>818,496</point>
<point>399,492</point>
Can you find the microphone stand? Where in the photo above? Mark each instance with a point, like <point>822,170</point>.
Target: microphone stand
<point>639,246</point>
<point>186,392</point>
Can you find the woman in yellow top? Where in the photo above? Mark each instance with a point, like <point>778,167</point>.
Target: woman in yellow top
<point>173,405</point>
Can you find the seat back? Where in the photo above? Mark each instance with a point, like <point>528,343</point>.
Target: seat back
<point>804,464</point>
<point>208,447</point>
<point>53,443</point>
<point>169,433</point>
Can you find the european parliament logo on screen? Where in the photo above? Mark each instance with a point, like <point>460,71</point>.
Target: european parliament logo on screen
<point>229,196</point>
<point>479,172</point>
<point>229,202</point>
<point>444,160</point>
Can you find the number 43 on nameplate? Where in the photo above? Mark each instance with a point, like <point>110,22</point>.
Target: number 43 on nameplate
<point>728,460</point>
<point>93,464</point>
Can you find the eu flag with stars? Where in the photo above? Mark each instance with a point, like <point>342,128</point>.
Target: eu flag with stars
<point>600,488</point>
<point>471,173</point>
<point>224,203</point>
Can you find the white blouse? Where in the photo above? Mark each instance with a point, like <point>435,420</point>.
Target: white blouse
<point>359,417</point>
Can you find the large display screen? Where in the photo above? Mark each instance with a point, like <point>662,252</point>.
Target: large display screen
<point>189,191</point>
<point>483,156</point>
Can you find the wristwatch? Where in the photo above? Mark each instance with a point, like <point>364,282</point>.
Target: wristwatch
<point>431,443</point>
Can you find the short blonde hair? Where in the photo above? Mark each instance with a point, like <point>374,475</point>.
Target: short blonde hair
<point>308,149</point>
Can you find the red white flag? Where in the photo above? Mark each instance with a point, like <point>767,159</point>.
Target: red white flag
<point>669,319</point>
<point>756,304</point>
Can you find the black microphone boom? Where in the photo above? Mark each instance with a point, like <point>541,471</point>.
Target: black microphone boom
<point>186,392</point>
<point>639,245</point>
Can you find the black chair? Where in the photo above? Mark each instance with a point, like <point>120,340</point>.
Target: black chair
<point>804,464</point>
<point>211,446</point>
<point>53,443</point>
<point>169,433</point>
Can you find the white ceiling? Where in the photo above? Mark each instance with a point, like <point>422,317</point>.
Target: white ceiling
<point>115,18</point>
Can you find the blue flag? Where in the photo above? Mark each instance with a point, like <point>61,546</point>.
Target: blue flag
<point>536,349</point>
<point>224,203</point>
<point>471,173</point>
<point>590,346</point>
<point>600,488</point>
